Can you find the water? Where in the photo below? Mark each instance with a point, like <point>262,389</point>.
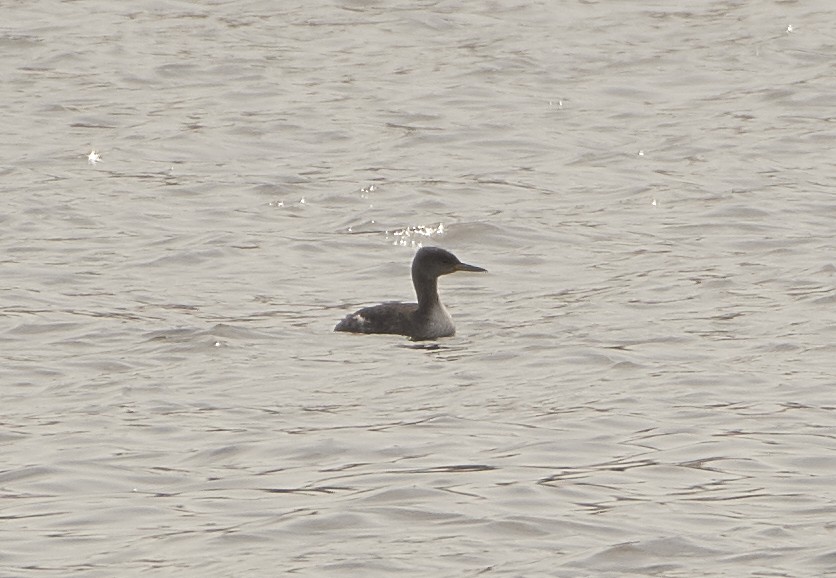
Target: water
<point>642,384</point>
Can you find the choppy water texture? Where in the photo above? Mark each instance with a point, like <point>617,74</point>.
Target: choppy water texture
<point>642,385</point>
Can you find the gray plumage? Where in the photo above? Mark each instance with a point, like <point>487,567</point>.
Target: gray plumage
<point>427,319</point>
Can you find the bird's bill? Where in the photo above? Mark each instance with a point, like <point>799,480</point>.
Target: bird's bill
<point>471,268</point>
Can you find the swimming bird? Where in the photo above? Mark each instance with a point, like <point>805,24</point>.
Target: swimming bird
<point>427,319</point>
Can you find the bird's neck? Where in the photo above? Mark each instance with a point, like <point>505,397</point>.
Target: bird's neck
<point>426,289</point>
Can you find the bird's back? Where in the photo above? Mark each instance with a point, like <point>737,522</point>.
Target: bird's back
<point>395,318</point>
<point>400,319</point>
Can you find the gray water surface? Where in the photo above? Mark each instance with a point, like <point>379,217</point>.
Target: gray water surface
<point>642,385</point>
